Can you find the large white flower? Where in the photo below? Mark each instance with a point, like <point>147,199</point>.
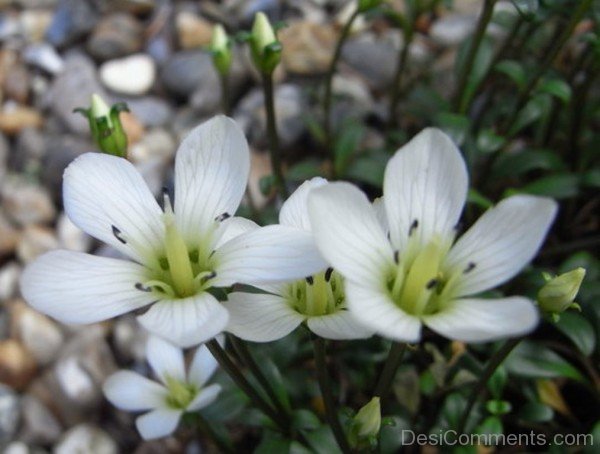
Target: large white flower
<point>401,264</point>
<point>176,393</point>
<point>317,300</point>
<point>179,254</point>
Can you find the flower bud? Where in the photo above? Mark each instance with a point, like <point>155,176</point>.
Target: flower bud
<point>105,126</point>
<point>266,50</point>
<point>368,419</point>
<point>558,294</point>
<point>221,49</point>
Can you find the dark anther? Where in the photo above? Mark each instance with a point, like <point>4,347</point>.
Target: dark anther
<point>397,257</point>
<point>470,267</point>
<point>413,227</point>
<point>432,284</point>
<point>310,280</point>
<point>222,217</point>
<point>210,276</point>
<point>116,232</point>
<point>328,274</point>
<point>212,253</point>
<point>140,286</point>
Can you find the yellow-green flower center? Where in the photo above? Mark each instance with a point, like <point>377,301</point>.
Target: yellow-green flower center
<point>180,394</point>
<point>321,294</point>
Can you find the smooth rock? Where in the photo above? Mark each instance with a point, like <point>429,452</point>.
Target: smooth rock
<point>307,47</point>
<point>9,236</point>
<point>186,70</point>
<point>4,155</point>
<point>17,366</point>
<point>130,339</point>
<point>39,424</point>
<point>116,35</point>
<point>35,240</point>
<point>60,152</point>
<point>10,414</point>
<point>26,203</point>
<point>86,438</point>
<point>16,83</point>
<point>157,145</point>
<point>132,75</point>
<point>260,166</point>
<point>34,23</point>
<point>151,110</point>
<point>44,56</point>
<point>72,237</point>
<point>75,381</point>
<point>14,118</point>
<point>192,31</point>
<point>29,149</point>
<point>71,21</point>
<point>132,126</point>
<point>452,29</point>
<point>9,280</point>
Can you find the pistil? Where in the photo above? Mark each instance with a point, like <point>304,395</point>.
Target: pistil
<point>178,257</point>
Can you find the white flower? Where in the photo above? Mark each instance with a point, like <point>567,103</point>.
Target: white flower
<point>179,254</point>
<point>177,392</point>
<point>317,300</point>
<point>401,264</point>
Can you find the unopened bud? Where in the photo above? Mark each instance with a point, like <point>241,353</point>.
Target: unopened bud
<point>220,47</point>
<point>266,49</point>
<point>105,126</point>
<point>558,294</point>
<point>368,419</point>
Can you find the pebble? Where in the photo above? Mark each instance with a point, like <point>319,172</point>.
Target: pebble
<point>30,147</point>
<point>116,35</point>
<point>72,237</point>
<point>34,23</point>
<point>44,56</point>
<point>16,83</point>
<point>132,126</point>
<point>39,424</point>
<point>186,70</point>
<point>71,21</point>
<point>86,438</point>
<point>9,237</point>
<point>4,154</point>
<point>157,145</point>
<point>14,118</point>
<point>26,203</point>
<point>452,29</point>
<point>130,339</point>
<point>60,151</point>
<point>17,366</point>
<point>133,75</point>
<point>307,47</point>
<point>192,30</point>
<point>10,413</point>
<point>260,166</point>
<point>151,110</point>
<point>9,280</point>
<point>35,240</point>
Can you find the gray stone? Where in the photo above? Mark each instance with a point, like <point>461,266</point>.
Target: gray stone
<point>39,424</point>
<point>183,73</point>
<point>72,237</point>
<point>3,156</point>
<point>29,149</point>
<point>452,29</point>
<point>26,203</point>
<point>130,339</point>
<point>44,56</point>
<point>9,280</point>
<point>35,241</point>
<point>86,438</point>
<point>72,20</point>
<point>150,110</point>
<point>10,413</point>
<point>116,35</point>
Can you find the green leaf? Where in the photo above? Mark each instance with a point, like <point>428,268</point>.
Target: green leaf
<point>514,70</point>
<point>368,169</point>
<point>557,88</point>
<point>481,64</point>
<point>492,425</point>
<point>591,178</point>
<point>322,441</point>
<point>527,8</point>
<point>535,361</point>
<point>560,186</point>
<point>455,125</point>
<point>346,144</point>
<point>272,442</point>
<point>518,163</point>
<point>488,141</point>
<point>592,446</point>
<point>536,412</point>
<point>305,419</point>
<point>579,330</point>
<point>276,381</point>
<point>498,407</point>
<point>304,170</point>
<point>266,184</point>
<point>497,381</point>
<point>476,198</point>
<point>533,111</point>
<point>453,408</point>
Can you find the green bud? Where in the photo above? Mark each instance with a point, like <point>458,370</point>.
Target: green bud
<point>105,126</point>
<point>266,50</point>
<point>220,47</point>
<point>368,419</point>
<point>558,294</point>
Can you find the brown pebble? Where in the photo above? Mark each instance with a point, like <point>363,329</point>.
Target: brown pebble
<point>17,366</point>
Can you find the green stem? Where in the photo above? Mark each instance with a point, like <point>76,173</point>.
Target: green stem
<point>225,105</point>
<point>497,359</point>
<point>223,445</point>
<point>326,393</point>
<point>397,82</point>
<point>329,80</point>
<point>274,149</point>
<point>461,100</point>
<point>390,368</point>
<point>229,366</point>
<point>244,353</point>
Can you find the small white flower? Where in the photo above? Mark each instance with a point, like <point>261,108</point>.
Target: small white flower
<point>401,264</point>
<point>180,253</point>
<point>317,300</point>
<point>177,392</point>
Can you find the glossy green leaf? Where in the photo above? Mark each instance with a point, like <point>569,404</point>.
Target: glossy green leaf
<point>498,407</point>
<point>305,420</point>
<point>521,162</point>
<point>304,170</point>
<point>536,412</point>
<point>532,360</point>
<point>557,88</point>
<point>497,382</point>
<point>476,198</point>
<point>533,111</point>
<point>492,425</point>
<point>489,142</point>
<point>346,144</point>
<point>455,125</point>
<point>367,169</point>
<point>579,330</point>
<point>514,70</point>
<point>561,186</point>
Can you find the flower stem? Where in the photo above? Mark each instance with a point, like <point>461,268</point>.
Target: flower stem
<point>244,353</point>
<point>329,80</point>
<point>229,366</point>
<point>326,393</point>
<point>225,104</point>
<point>274,149</point>
<point>223,445</point>
<point>461,100</point>
<point>495,361</point>
<point>390,367</point>
<point>397,81</point>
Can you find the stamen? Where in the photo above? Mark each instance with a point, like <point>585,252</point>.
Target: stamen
<point>328,274</point>
<point>310,280</point>
<point>139,286</point>
<point>432,284</point>
<point>117,233</point>
<point>205,276</point>
<point>470,267</point>
<point>413,227</point>
<point>396,257</point>
<point>222,217</point>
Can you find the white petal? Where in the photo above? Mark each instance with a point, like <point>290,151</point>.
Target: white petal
<point>103,192</point>
<point>379,208</point>
<point>186,322</point>
<point>202,367</point>
<point>211,172</point>
<point>501,242</point>
<point>260,318</point>
<point>348,233</point>
<point>479,320</point>
<point>339,326</point>
<point>374,309</point>
<point>426,181</point>
<point>74,287</point>
<point>205,397</point>
<point>158,423</point>
<point>233,227</point>
<point>165,359</point>
<point>274,253</point>
<point>294,211</point>
<point>132,392</point>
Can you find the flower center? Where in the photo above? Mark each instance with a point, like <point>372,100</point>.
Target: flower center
<point>180,394</point>
<point>321,294</point>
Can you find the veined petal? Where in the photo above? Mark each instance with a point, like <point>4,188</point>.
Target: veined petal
<point>205,397</point>
<point>479,320</point>
<point>186,322</point>
<point>165,359</point>
<point>132,392</point>
<point>374,309</point>
<point>274,253</point>
<point>342,325</point>
<point>260,318</point>
<point>501,242</point>
<point>158,423</point>
<point>294,211</point>
<point>107,197</point>
<point>348,233</point>
<point>425,185</point>
<point>233,227</point>
<point>381,215</point>
<point>211,171</point>
<point>203,366</point>
<point>75,287</point>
